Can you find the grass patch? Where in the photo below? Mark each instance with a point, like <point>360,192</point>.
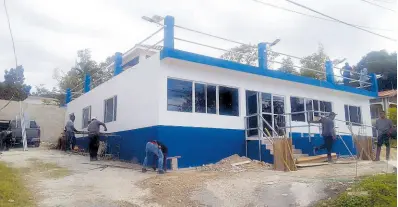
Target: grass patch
<point>12,189</point>
<point>373,191</point>
<point>51,170</point>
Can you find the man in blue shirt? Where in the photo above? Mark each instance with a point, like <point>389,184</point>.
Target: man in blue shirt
<point>346,73</point>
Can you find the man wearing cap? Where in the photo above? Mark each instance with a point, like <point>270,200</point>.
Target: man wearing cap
<point>328,134</point>
<point>70,133</point>
<point>346,73</point>
<point>93,134</point>
<point>384,128</point>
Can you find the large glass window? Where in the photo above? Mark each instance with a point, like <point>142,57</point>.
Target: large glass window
<point>266,102</point>
<point>352,114</point>
<point>110,109</point>
<point>179,95</point>
<point>228,101</point>
<point>86,116</point>
<point>297,106</point>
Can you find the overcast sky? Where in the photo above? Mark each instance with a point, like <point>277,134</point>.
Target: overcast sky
<point>48,33</point>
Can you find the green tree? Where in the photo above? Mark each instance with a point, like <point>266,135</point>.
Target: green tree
<point>316,62</point>
<point>381,63</point>
<point>248,54</point>
<point>288,66</point>
<point>74,78</point>
<point>13,86</point>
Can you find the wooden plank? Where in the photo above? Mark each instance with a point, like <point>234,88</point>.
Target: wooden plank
<point>364,147</point>
<point>311,164</point>
<point>312,159</point>
<point>283,155</point>
<point>241,163</point>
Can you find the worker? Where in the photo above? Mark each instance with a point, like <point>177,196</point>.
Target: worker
<point>346,73</point>
<point>164,151</point>
<point>384,129</point>
<point>328,134</point>
<point>153,148</point>
<point>93,135</point>
<point>70,133</point>
<point>363,78</point>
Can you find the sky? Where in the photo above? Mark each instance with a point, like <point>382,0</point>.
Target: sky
<point>48,34</point>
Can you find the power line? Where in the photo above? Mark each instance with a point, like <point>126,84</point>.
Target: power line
<point>12,37</point>
<point>313,16</point>
<point>389,2</point>
<point>377,5</point>
<point>351,25</point>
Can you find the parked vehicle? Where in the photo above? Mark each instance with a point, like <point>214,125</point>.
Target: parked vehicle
<point>32,133</point>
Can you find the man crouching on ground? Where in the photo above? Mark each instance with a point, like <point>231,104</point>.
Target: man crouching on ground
<point>154,148</point>
<point>93,135</point>
<point>164,151</point>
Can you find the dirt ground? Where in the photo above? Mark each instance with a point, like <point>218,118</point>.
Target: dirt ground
<point>83,184</point>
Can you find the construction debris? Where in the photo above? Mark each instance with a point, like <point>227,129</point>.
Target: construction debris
<point>235,163</point>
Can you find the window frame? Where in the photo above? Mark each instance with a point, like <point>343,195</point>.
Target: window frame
<point>114,108</point>
<point>348,122</point>
<point>206,84</point>
<point>313,108</point>
<point>89,116</point>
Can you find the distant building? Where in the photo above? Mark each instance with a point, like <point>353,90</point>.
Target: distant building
<point>386,100</point>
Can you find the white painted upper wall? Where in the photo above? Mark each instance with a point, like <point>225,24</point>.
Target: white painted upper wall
<point>136,90</point>
<point>244,81</point>
<point>142,96</point>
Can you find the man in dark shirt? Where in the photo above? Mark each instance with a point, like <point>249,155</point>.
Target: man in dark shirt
<point>384,128</point>
<point>155,158</point>
<point>93,134</point>
<point>70,133</point>
<point>346,73</point>
<point>328,134</point>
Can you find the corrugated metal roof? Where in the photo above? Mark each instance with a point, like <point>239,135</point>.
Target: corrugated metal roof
<point>388,93</point>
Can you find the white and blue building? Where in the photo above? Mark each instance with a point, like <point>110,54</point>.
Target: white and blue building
<point>197,105</point>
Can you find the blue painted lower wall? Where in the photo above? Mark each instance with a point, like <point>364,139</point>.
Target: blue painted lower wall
<point>301,141</point>
<point>198,146</point>
<point>195,145</point>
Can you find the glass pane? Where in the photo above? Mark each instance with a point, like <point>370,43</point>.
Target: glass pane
<point>308,108</point>
<point>328,106</point>
<point>228,101</point>
<point>346,113</point>
<point>252,124</point>
<point>211,99</point>
<point>108,116</point>
<point>200,98</point>
<point>251,102</point>
<point>278,104</point>
<point>316,107</point>
<point>279,124</point>
<point>179,95</point>
<point>267,129</point>
<point>114,108</point>
<point>266,104</point>
<point>86,116</point>
<point>297,105</point>
<point>355,116</point>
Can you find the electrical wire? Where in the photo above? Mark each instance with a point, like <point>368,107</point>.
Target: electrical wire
<point>377,5</point>
<point>316,17</point>
<point>15,54</point>
<point>348,24</point>
<point>12,37</point>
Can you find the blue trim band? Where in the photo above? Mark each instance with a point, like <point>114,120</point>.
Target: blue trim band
<point>202,59</point>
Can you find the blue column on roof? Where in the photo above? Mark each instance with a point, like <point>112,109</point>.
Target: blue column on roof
<point>87,80</point>
<point>375,86</point>
<point>68,96</point>
<point>329,71</point>
<point>168,41</point>
<point>118,63</point>
<point>262,55</point>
